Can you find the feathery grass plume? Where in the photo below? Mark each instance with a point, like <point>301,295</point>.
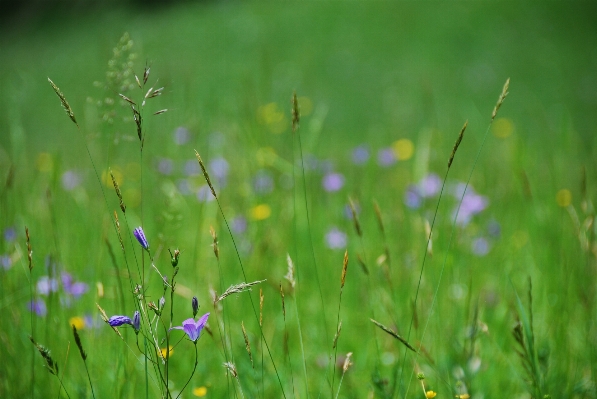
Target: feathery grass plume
<point>393,334</point>
<point>290,274</point>
<point>283,304</point>
<point>457,144</point>
<point>362,264</point>
<point>247,344</point>
<point>355,219</point>
<point>118,193</point>
<point>83,356</point>
<point>237,289</point>
<point>261,307</point>
<point>337,335</point>
<point>51,364</point>
<point>214,236</point>
<point>205,174</point>
<point>65,104</point>
<point>296,116</point>
<point>524,335</point>
<point>79,344</point>
<point>29,250</point>
<point>501,99</point>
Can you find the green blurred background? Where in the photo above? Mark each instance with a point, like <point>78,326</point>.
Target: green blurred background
<point>367,73</point>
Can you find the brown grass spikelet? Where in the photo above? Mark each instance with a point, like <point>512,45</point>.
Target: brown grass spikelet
<point>393,334</point>
<point>79,344</point>
<point>117,223</point>
<point>247,344</point>
<point>261,307</point>
<point>355,218</point>
<point>337,335</point>
<point>231,369</point>
<point>283,304</point>
<point>139,122</point>
<point>214,236</point>
<point>428,235</point>
<point>205,174</point>
<point>118,193</point>
<point>457,144</point>
<point>162,111</point>
<point>29,250</point>
<point>125,98</point>
<point>51,364</point>
<point>146,74</point>
<point>347,362</point>
<point>296,116</point>
<point>138,82</point>
<point>290,274</point>
<point>65,104</point>
<point>344,269</point>
<point>501,99</point>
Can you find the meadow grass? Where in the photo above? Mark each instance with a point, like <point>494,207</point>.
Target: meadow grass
<point>309,226</point>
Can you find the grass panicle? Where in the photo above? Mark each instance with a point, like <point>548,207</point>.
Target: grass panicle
<point>247,344</point>
<point>457,144</point>
<point>394,334</point>
<point>237,289</point>
<point>65,105</point>
<point>205,174</point>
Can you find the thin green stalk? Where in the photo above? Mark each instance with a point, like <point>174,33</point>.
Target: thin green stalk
<point>192,374</point>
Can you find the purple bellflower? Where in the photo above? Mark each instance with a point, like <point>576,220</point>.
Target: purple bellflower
<point>136,321</point>
<point>195,305</point>
<point>117,321</point>
<point>193,328</point>
<point>140,236</point>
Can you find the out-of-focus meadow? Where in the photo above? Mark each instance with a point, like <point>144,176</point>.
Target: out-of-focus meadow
<point>383,89</point>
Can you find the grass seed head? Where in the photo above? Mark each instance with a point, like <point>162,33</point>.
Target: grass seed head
<point>247,344</point>
<point>65,104</point>
<point>457,144</point>
<point>501,99</point>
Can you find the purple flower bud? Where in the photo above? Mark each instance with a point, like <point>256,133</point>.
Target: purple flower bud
<point>195,305</point>
<point>136,321</point>
<point>140,236</point>
<point>117,321</point>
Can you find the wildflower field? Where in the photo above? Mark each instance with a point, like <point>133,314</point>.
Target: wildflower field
<point>335,200</point>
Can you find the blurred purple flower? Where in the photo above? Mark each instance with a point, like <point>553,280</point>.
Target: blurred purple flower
<point>5,261</point>
<point>193,328</point>
<point>117,321</point>
<point>191,167</point>
<point>335,239</point>
<point>46,285</point>
<point>140,236</point>
<point>219,169</point>
<point>70,180</point>
<point>181,135</point>
<point>333,182</point>
<point>38,306</point>
<point>10,234</point>
<point>263,183</point>
<point>239,224</point>
<point>480,246</point>
<point>204,194</point>
<point>430,185</point>
<point>360,155</point>
<point>386,157</point>
<point>165,166</point>
<point>472,203</point>
<point>412,197</point>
